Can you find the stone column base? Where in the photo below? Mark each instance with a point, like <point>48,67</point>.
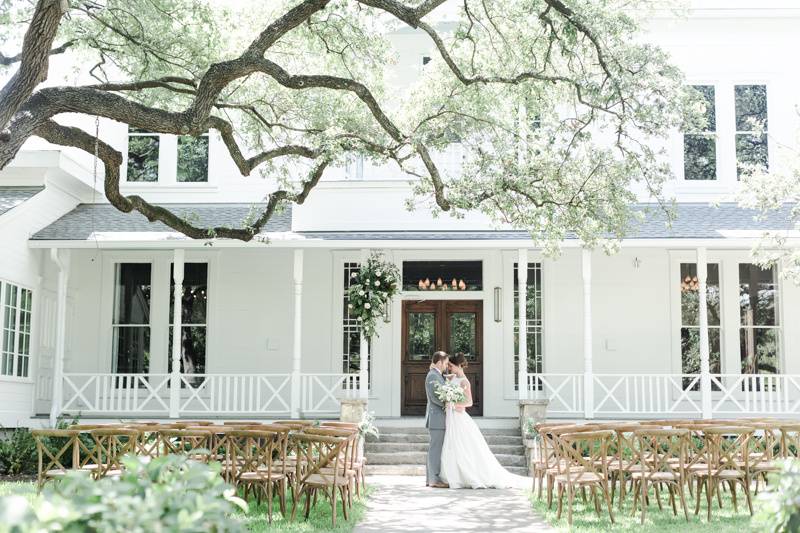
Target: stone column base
<point>353,409</point>
<point>535,410</point>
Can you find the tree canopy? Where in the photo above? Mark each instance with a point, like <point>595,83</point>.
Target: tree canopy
<point>556,104</point>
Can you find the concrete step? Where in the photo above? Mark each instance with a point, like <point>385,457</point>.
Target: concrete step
<point>423,430</point>
<point>401,447</point>
<point>419,470</point>
<point>424,438</point>
<point>420,458</point>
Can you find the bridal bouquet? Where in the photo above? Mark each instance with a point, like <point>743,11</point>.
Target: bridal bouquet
<point>450,392</point>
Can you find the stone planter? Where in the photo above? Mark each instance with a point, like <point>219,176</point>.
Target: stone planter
<point>352,409</point>
<point>535,410</point>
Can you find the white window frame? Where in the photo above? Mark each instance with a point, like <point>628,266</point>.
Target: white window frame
<point>778,320</point>
<point>170,317</point>
<point>681,160</point>
<point>4,285</point>
<point>737,132</point>
<point>167,166</point>
<point>149,324</point>
<point>530,328</point>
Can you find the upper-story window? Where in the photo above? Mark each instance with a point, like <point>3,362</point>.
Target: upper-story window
<point>700,147</point>
<point>193,159</point>
<point>185,158</point>
<point>751,127</point>
<point>143,150</point>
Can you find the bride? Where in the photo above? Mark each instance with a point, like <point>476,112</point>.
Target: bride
<point>467,461</point>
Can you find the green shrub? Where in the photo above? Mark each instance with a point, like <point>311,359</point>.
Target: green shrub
<point>778,507</point>
<point>18,453</point>
<point>168,493</point>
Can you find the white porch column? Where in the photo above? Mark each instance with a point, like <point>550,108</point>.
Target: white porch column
<point>588,376</point>
<point>61,259</point>
<point>522,331</point>
<point>705,369</point>
<point>177,315</point>
<point>297,335</point>
<point>363,351</point>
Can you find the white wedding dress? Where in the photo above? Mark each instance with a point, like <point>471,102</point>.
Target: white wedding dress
<point>467,461</point>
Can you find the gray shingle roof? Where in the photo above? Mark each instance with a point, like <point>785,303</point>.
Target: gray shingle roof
<point>78,224</point>
<point>692,221</point>
<point>11,197</point>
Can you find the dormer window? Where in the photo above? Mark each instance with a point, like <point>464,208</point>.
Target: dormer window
<point>143,147</point>
<point>700,147</point>
<point>751,127</point>
<point>167,159</point>
<point>192,159</point>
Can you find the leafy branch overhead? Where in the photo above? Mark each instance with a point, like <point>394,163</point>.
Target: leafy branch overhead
<point>552,104</point>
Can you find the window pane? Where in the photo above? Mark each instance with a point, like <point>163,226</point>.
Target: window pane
<point>707,93</point>
<point>759,350</point>
<point>192,159</point>
<point>757,290</point>
<point>193,351</point>
<point>463,328</point>
<point>195,293</point>
<point>690,352</point>
<point>132,349</point>
<point>751,106</point>
<point>421,336</point>
<point>533,310</point>
<point>699,157</point>
<point>690,295</point>
<point>132,293</point>
<point>751,150</point>
<point>143,158</point>
<point>351,331</point>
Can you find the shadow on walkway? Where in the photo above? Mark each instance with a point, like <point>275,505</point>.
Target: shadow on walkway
<point>404,503</point>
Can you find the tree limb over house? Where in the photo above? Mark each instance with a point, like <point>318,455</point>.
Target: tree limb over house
<point>552,101</point>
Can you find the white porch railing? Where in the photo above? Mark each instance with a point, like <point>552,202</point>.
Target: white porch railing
<point>116,393</point>
<point>321,392</point>
<point>204,394</point>
<point>626,396</point>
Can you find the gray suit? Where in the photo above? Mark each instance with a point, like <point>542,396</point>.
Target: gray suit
<point>435,422</point>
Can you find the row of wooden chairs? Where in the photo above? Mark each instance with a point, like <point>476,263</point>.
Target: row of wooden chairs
<point>665,455</point>
<point>264,460</point>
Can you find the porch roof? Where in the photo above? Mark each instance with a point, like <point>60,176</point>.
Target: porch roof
<point>693,221</point>
<point>11,197</point>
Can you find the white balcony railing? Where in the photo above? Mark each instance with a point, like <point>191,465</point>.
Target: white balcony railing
<point>205,394</point>
<point>631,396</point>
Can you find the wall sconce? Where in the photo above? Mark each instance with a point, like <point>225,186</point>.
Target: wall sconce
<point>498,304</point>
<point>637,262</point>
<point>387,314</point>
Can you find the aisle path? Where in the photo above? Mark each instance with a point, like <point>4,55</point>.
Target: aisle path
<point>405,504</point>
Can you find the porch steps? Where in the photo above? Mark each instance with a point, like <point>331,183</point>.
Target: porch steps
<point>403,450</point>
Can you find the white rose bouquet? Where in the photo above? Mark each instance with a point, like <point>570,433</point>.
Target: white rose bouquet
<point>449,392</point>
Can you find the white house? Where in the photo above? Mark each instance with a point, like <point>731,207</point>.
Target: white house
<point>86,290</point>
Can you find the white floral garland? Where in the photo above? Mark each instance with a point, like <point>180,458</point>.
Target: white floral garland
<point>371,289</point>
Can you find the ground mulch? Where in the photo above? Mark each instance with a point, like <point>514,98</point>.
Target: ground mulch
<point>17,478</point>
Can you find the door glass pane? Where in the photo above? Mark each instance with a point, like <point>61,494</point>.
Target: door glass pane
<point>463,334</point>
<point>132,349</point>
<point>421,336</point>
<point>757,291</point>
<point>132,294</point>
<point>690,295</point>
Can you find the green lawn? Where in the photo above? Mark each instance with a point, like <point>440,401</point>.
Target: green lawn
<point>585,520</point>
<point>256,518</point>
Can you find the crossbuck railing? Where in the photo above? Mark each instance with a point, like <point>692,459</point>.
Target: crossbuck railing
<point>205,394</point>
<point>666,395</point>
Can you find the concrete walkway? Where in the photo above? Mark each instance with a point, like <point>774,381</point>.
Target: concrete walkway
<point>405,504</point>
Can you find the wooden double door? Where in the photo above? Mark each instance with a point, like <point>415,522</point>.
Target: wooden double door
<point>432,325</point>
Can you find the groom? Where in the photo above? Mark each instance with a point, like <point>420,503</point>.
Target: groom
<point>434,419</point>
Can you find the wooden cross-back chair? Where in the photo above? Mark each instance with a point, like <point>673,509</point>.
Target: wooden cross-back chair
<point>353,467</point>
<point>764,449</point>
<point>585,465</point>
<point>545,457</point>
<point>359,458</point>
<point>321,467</point>
<point>790,440</point>
<point>195,443</point>
<point>110,446</point>
<point>623,453</point>
<point>661,460</point>
<point>57,453</point>
<point>727,453</point>
<point>256,464</point>
<point>559,461</point>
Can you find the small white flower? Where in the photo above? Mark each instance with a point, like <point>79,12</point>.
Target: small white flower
<point>353,275</point>
<point>361,293</point>
<point>377,283</point>
<point>378,273</point>
<point>349,306</point>
<point>367,306</point>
